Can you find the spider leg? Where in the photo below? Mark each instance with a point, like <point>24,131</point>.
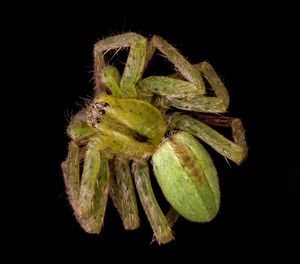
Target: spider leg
<point>71,172</point>
<point>158,221</point>
<point>134,65</point>
<point>134,68</point>
<point>87,196</point>
<point>214,80</point>
<point>184,67</point>
<point>185,95</point>
<point>78,129</point>
<point>123,194</point>
<point>200,103</point>
<point>93,188</point>
<point>172,216</point>
<point>110,76</point>
<point>169,87</point>
<point>234,150</point>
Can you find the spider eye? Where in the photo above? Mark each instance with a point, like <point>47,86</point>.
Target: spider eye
<point>98,120</point>
<point>101,106</point>
<point>101,112</point>
<point>97,106</point>
<point>105,105</point>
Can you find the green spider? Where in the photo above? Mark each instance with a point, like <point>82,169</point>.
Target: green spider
<point>133,123</point>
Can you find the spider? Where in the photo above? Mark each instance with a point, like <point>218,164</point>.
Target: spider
<point>135,125</point>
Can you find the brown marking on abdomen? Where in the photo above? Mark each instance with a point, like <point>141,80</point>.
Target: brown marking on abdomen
<point>188,160</point>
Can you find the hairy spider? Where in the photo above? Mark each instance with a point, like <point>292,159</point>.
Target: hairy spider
<point>133,123</point>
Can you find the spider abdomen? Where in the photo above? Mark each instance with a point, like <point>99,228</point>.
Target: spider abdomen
<point>187,177</point>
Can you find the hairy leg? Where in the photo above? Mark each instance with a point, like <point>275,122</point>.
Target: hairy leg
<point>123,194</point>
<point>111,78</point>
<point>134,65</point>
<point>94,190</point>
<point>234,150</point>
<point>182,65</point>
<point>158,221</point>
<point>184,95</point>
<point>214,80</point>
<point>71,172</point>
<point>172,217</point>
<point>87,196</point>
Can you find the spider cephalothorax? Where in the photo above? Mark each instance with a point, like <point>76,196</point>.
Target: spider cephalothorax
<point>130,128</point>
<point>135,122</point>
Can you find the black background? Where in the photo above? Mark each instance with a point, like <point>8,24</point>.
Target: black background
<point>259,198</point>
